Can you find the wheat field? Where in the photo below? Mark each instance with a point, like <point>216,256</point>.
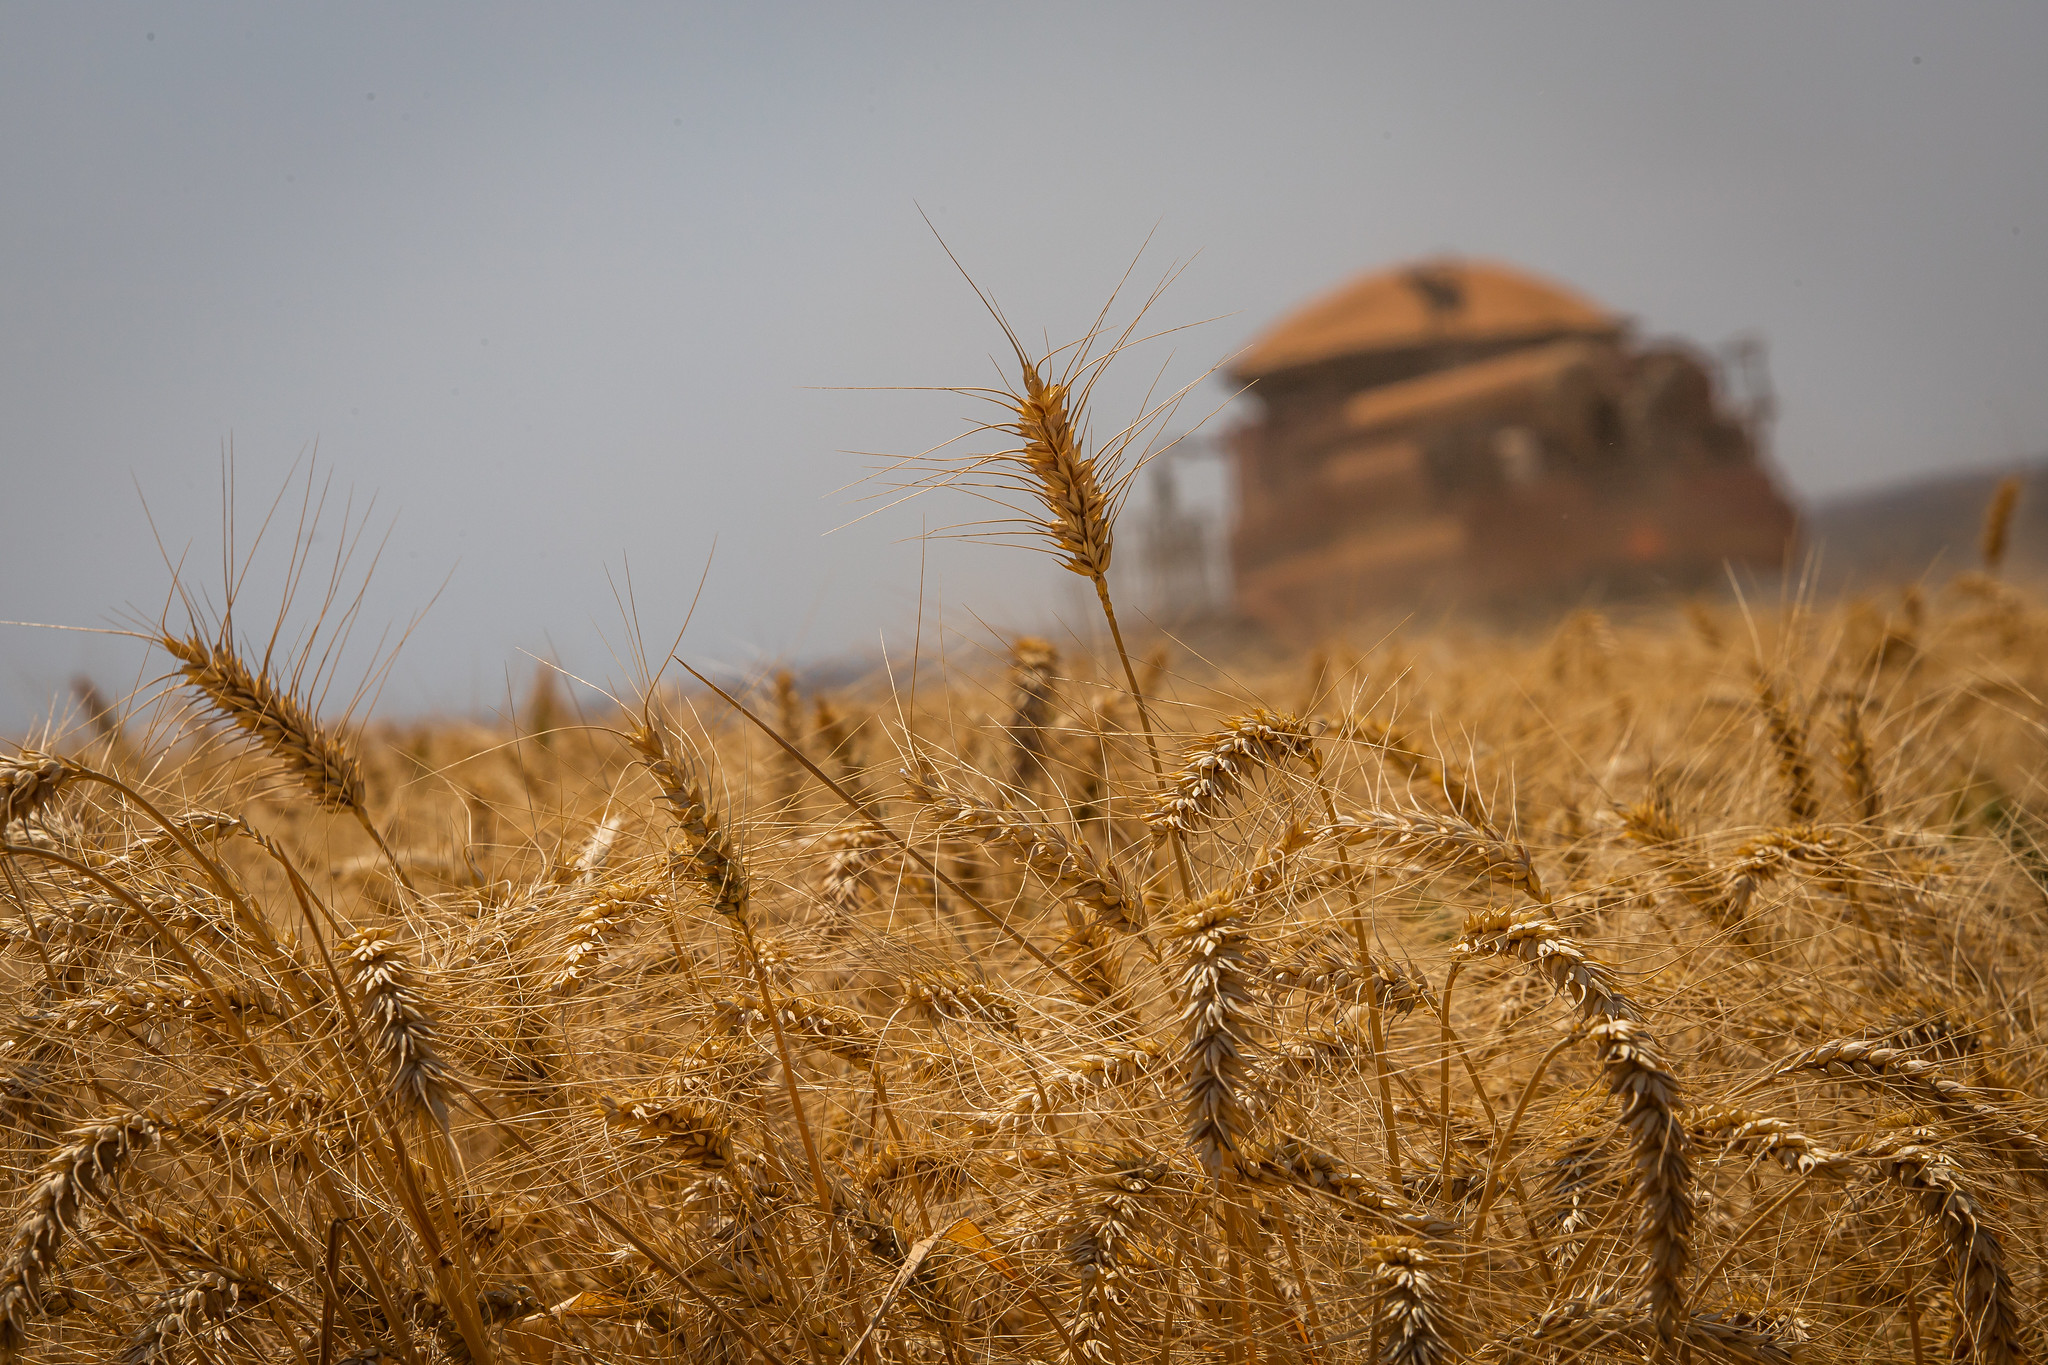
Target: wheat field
<point>1665,989</point>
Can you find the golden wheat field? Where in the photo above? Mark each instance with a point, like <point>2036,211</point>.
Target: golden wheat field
<point>1663,989</point>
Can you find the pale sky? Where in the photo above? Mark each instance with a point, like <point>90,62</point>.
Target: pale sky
<point>571,287</point>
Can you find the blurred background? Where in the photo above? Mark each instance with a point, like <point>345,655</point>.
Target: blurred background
<point>562,294</point>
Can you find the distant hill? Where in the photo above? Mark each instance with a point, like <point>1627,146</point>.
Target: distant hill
<point>1898,533</point>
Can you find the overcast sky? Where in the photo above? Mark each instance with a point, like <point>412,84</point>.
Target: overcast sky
<point>571,287</point>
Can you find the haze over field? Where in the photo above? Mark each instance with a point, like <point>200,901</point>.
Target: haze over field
<point>567,289</point>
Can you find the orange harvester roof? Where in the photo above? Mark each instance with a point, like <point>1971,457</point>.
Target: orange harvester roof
<point>1422,305</point>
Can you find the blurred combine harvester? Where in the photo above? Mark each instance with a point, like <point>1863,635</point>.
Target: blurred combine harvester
<point>1457,430</point>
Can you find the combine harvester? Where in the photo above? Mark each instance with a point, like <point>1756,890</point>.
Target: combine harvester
<point>1459,432</point>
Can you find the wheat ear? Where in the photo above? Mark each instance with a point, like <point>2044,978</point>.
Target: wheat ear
<point>1859,772</point>
<point>712,858</point>
<point>1998,522</point>
<point>1098,1246</point>
<point>820,1023</point>
<point>135,1001</point>
<point>86,1165</point>
<point>405,1036</point>
<point>1788,742</point>
<point>609,909</point>
<point>1215,768</point>
<point>1635,1075</point>
<point>948,995</point>
<point>255,702</point>
<point>1069,867</point>
<point>1032,663</point>
<point>28,782</point>
<point>1442,841</point>
<point>1578,1329</point>
<point>1649,1096</point>
<point>687,1128</point>
<point>855,851</point>
<point>1654,825</point>
<point>1773,1139</point>
<point>1875,1064</point>
<point>1541,944</point>
<point>1061,1086</point>
<point>1408,1321</point>
<point>1985,1299</point>
<point>183,1312</point>
<point>1217,969</point>
<point>1080,525</point>
<point>269,711</point>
